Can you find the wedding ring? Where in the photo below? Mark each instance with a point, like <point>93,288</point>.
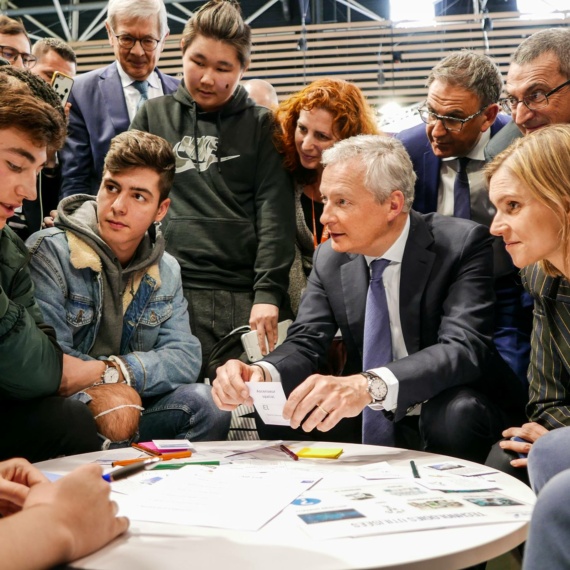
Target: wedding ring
<point>323,410</point>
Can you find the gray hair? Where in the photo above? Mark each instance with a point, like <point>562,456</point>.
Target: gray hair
<point>387,165</point>
<point>553,40</point>
<point>138,9</point>
<point>475,72</point>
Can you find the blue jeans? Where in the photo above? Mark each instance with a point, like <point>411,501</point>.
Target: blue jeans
<point>188,412</point>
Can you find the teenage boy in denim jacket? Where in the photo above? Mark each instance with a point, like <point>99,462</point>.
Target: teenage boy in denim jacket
<point>114,296</point>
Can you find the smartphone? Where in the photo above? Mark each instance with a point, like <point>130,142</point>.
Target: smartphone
<point>516,438</point>
<point>62,85</point>
<point>251,345</point>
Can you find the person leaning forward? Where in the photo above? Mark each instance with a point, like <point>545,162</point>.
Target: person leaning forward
<point>443,388</point>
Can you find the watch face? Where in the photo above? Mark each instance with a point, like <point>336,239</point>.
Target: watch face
<point>111,375</point>
<point>377,389</point>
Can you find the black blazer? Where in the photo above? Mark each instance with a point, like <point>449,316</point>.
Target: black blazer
<point>446,312</point>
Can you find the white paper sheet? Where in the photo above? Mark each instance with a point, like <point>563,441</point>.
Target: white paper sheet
<point>227,497</point>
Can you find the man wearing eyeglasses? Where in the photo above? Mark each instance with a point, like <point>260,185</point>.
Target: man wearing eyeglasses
<point>15,44</point>
<point>461,116</point>
<point>537,94</point>
<point>105,101</point>
<point>537,87</point>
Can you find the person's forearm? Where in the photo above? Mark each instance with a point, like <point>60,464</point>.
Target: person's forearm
<point>38,526</point>
<point>79,374</point>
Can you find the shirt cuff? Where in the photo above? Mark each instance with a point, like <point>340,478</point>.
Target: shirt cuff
<point>390,403</point>
<point>272,372</point>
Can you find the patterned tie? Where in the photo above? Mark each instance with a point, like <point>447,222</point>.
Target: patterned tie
<point>377,351</point>
<point>461,195</point>
<point>142,88</point>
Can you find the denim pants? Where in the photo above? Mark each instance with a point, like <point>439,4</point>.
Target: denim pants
<point>188,412</point>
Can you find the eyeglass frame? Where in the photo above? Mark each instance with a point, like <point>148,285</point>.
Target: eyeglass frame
<point>443,118</point>
<point>135,40</point>
<point>508,109</point>
<point>29,57</point>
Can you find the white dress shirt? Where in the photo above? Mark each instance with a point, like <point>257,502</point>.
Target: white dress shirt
<point>132,96</point>
<point>482,211</point>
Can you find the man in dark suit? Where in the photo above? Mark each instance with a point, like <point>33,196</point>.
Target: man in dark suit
<point>105,101</point>
<point>461,117</point>
<point>438,385</point>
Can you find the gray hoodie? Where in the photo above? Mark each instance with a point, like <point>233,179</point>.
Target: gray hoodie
<point>78,214</point>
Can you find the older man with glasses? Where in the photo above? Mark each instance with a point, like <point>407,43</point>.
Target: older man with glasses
<point>105,101</point>
<point>461,116</point>
<point>537,87</point>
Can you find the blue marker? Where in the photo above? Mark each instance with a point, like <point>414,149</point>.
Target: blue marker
<point>133,469</point>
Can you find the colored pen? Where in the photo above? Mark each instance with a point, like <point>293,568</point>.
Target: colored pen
<point>415,470</point>
<point>163,457</point>
<point>180,465</point>
<point>290,453</point>
<point>132,469</point>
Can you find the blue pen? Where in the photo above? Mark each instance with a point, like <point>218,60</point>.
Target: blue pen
<point>133,469</point>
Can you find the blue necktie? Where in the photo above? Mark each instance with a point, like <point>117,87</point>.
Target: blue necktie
<point>142,88</point>
<point>377,351</point>
<point>461,194</point>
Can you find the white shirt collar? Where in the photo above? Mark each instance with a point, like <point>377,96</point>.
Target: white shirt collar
<point>127,80</point>
<point>395,252</point>
<point>478,151</point>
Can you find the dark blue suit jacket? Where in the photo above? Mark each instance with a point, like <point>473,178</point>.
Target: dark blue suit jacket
<point>98,113</point>
<point>446,312</point>
<point>427,167</point>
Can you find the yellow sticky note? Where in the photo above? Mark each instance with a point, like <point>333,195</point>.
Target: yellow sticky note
<point>320,452</point>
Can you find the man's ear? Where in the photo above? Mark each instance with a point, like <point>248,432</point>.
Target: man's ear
<point>397,201</point>
<point>163,41</point>
<point>109,33</point>
<point>162,210</point>
<point>490,114</point>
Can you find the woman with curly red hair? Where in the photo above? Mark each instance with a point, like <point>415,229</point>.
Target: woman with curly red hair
<point>312,120</point>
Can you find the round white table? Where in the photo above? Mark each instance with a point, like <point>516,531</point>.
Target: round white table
<point>281,545</point>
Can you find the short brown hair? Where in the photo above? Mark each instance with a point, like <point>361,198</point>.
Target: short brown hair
<point>11,27</point>
<point>220,20</point>
<point>137,149</point>
<point>351,113</point>
<point>45,45</point>
<point>36,119</point>
<point>36,85</point>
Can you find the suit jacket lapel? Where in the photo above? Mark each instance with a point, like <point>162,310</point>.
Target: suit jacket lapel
<point>114,98</point>
<point>416,268</point>
<point>431,180</point>
<point>354,277</point>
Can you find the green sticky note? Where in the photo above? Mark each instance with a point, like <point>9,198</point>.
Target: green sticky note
<point>320,452</point>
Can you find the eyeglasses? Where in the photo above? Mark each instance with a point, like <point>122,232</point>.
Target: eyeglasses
<point>128,42</point>
<point>12,55</point>
<point>535,100</point>
<point>450,124</point>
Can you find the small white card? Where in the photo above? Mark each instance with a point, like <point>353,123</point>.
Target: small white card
<point>269,400</point>
<point>163,444</point>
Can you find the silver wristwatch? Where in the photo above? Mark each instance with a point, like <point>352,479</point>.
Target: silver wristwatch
<point>377,388</point>
<point>111,374</point>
